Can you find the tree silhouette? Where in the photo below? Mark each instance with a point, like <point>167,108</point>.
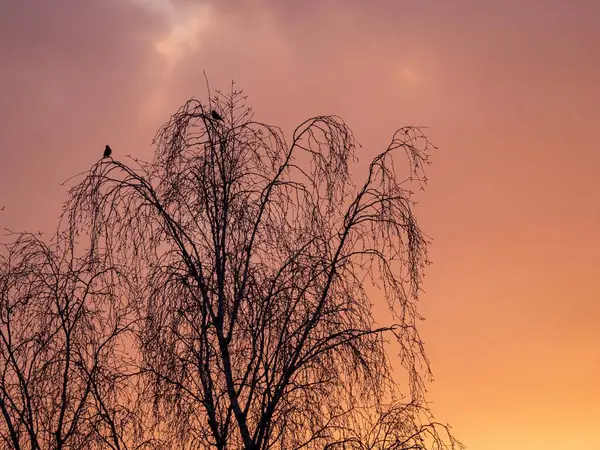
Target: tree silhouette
<point>250,259</point>
<point>64,380</point>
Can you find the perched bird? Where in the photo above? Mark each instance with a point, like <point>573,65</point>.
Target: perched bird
<point>215,115</point>
<point>107,151</point>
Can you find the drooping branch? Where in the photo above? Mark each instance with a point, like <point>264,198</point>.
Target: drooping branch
<point>250,260</point>
<point>64,327</point>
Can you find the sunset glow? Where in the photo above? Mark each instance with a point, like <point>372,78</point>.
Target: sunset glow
<point>509,91</point>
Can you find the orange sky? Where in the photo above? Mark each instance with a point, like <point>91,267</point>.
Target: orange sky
<point>510,90</point>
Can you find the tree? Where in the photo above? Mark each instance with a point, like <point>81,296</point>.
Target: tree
<point>63,363</point>
<point>251,260</point>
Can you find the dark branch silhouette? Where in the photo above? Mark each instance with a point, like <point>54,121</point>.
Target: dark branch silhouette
<point>65,377</point>
<point>254,264</point>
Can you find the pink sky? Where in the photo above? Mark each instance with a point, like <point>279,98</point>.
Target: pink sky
<point>511,93</point>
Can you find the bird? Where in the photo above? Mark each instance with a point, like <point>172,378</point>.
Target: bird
<point>215,115</point>
<point>107,151</point>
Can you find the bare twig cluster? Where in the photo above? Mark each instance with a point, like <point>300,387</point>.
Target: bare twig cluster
<point>65,369</point>
<point>237,264</point>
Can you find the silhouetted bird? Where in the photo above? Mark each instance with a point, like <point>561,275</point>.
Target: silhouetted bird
<point>215,115</point>
<point>107,151</point>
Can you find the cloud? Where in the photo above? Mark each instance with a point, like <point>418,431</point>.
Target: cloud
<point>186,22</point>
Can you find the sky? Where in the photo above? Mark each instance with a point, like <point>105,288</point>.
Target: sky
<point>510,93</point>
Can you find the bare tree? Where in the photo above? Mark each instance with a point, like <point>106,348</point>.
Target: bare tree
<point>252,259</point>
<point>63,342</point>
